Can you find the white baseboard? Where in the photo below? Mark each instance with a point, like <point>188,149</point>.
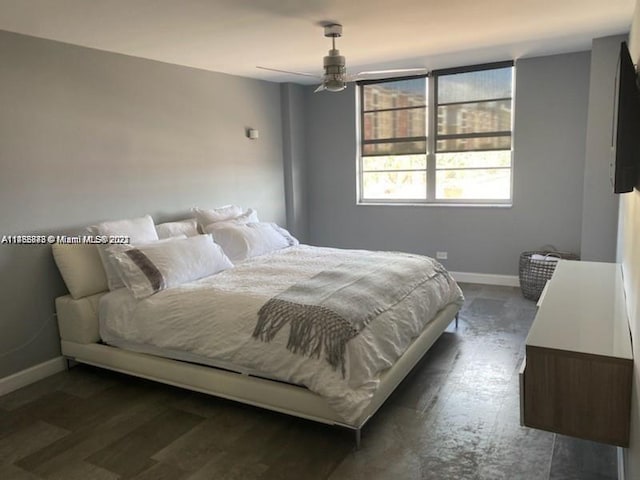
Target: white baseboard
<point>31,375</point>
<point>487,279</point>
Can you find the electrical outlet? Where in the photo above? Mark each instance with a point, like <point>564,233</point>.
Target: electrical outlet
<point>442,255</point>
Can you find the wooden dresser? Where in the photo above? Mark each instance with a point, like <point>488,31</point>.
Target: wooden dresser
<point>576,377</point>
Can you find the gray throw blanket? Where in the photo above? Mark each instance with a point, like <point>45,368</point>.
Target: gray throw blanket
<point>329,309</point>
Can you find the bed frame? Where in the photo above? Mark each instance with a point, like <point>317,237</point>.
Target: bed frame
<point>80,340</point>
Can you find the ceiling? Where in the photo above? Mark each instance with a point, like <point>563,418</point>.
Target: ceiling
<point>234,36</point>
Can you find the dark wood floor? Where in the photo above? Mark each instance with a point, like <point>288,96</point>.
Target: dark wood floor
<point>455,417</point>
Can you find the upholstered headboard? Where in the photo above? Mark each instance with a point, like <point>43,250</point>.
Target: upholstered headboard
<point>83,273</point>
<point>78,318</point>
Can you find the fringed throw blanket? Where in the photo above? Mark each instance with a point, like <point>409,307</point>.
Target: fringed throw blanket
<point>329,309</point>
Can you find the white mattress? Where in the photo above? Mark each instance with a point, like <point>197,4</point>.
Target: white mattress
<point>211,321</point>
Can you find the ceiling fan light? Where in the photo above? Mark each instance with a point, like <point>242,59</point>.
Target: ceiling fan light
<point>334,84</point>
<point>334,72</point>
<point>333,58</point>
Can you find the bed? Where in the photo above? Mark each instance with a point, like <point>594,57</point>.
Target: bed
<point>207,336</point>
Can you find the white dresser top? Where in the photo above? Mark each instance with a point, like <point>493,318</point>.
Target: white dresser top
<point>584,311</point>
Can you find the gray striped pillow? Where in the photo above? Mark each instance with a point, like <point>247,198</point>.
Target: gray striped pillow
<point>148,269</point>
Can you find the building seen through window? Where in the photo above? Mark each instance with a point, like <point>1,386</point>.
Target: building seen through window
<point>465,158</point>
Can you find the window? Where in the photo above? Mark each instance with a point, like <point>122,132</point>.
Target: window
<point>394,139</point>
<point>464,158</point>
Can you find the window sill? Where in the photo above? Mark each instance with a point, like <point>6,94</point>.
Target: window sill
<point>419,204</point>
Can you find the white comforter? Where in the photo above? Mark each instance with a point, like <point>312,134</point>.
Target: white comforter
<point>215,317</point>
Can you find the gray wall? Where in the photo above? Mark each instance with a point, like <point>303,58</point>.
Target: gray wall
<point>600,205</point>
<point>549,143</point>
<point>294,155</point>
<point>88,136</point>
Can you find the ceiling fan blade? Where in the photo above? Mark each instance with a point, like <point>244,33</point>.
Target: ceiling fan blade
<point>290,72</point>
<point>320,88</point>
<point>407,71</point>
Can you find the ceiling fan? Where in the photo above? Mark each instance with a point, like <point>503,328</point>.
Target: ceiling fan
<point>335,76</point>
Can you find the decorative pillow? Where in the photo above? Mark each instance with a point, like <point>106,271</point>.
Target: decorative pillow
<point>81,268</point>
<point>154,267</point>
<point>240,242</point>
<point>188,227</point>
<point>208,216</point>
<point>111,249</point>
<point>139,230</point>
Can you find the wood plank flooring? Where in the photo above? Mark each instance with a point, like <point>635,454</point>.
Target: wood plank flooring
<point>456,416</point>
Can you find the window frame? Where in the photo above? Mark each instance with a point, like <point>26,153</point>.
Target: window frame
<point>361,142</point>
<point>431,120</point>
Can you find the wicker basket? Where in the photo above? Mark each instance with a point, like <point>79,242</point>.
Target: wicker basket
<point>534,274</point>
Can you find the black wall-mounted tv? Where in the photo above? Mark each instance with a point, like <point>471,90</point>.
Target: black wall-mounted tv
<point>626,138</point>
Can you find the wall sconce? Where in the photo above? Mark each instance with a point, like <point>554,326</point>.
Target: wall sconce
<point>252,133</point>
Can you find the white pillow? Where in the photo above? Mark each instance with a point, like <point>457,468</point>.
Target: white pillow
<point>248,216</point>
<point>154,267</point>
<point>188,227</point>
<point>285,233</point>
<point>110,249</point>
<point>251,216</point>
<point>81,268</point>
<point>240,242</point>
<point>139,230</point>
<point>208,216</point>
